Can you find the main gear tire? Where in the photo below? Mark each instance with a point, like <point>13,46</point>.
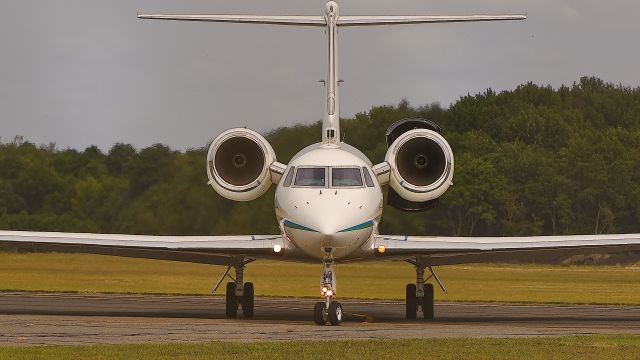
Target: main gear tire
<point>231,304</point>
<point>411,302</point>
<point>248,300</point>
<point>428,308</point>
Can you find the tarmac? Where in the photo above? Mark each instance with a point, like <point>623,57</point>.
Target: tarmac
<point>60,318</point>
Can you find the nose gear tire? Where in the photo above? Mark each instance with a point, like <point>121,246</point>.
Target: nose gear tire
<point>319,316</point>
<point>335,313</point>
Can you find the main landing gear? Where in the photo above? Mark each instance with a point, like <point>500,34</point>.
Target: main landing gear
<point>239,293</point>
<point>328,310</point>
<point>420,296</point>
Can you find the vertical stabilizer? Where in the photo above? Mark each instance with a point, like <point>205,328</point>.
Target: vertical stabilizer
<point>331,120</point>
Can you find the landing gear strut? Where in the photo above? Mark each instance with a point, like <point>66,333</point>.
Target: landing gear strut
<point>420,296</point>
<point>238,293</point>
<point>328,310</point>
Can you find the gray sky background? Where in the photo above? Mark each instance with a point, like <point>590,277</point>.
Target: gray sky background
<point>83,72</point>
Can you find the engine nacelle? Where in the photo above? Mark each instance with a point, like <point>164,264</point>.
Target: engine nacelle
<point>421,165</point>
<point>238,164</point>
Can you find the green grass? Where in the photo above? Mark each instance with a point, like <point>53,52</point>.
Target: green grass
<point>583,348</point>
<point>377,280</point>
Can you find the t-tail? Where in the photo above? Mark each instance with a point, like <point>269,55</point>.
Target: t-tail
<point>331,21</point>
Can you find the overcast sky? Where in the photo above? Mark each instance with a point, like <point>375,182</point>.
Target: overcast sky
<point>83,72</point>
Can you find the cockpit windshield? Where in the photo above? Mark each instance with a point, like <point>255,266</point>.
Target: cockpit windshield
<point>311,177</point>
<point>346,177</point>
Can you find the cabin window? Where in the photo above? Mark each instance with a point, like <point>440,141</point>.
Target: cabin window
<point>367,177</point>
<point>289,179</point>
<point>311,177</point>
<point>346,177</point>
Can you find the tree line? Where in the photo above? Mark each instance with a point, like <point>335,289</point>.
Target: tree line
<point>531,161</point>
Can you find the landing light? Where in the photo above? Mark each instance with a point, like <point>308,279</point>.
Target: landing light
<point>329,293</point>
<point>381,249</point>
<point>277,248</point>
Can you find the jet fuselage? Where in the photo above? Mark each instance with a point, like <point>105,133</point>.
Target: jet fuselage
<point>329,198</point>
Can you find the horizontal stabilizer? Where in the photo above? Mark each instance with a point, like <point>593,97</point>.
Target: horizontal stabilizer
<point>420,19</point>
<point>250,19</point>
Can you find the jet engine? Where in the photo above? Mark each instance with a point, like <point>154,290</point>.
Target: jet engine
<point>420,162</point>
<point>238,164</point>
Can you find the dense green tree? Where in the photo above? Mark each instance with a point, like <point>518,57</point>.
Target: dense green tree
<point>531,161</point>
<point>118,157</point>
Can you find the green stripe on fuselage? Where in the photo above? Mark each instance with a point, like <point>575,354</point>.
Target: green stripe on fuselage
<point>293,225</point>
<point>364,225</point>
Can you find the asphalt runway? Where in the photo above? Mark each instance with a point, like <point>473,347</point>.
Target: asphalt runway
<point>47,318</point>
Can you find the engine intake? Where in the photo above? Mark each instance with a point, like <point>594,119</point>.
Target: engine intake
<point>238,164</point>
<point>421,163</point>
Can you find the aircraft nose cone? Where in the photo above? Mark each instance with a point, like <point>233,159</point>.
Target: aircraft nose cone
<point>327,230</point>
<point>330,239</point>
<point>336,219</point>
<point>339,235</point>
<point>315,237</point>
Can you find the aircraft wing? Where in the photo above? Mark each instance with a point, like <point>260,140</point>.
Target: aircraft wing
<point>219,250</point>
<point>462,250</point>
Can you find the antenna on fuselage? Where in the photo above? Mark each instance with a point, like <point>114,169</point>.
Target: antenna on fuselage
<point>331,20</point>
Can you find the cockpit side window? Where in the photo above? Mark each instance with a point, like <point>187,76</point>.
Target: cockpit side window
<point>289,179</point>
<point>311,177</point>
<point>346,177</point>
<point>367,177</point>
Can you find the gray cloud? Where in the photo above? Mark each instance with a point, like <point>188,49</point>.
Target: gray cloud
<point>82,72</point>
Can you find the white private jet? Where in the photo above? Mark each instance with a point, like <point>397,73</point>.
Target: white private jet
<point>329,200</point>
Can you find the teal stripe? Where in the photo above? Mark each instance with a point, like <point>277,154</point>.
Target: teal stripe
<point>293,225</point>
<point>364,225</point>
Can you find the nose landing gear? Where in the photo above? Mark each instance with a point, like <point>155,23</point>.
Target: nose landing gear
<point>328,310</point>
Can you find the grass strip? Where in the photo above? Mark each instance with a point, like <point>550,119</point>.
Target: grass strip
<point>575,347</point>
<point>376,280</point>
